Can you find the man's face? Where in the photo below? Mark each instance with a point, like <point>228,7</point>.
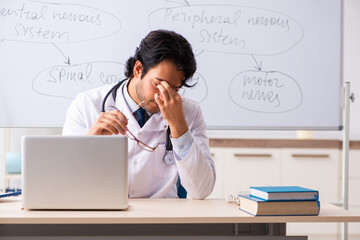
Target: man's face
<point>147,86</point>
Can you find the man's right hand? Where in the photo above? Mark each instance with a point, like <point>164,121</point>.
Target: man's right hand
<point>108,123</point>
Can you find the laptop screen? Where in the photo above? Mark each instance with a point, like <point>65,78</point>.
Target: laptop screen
<point>75,172</point>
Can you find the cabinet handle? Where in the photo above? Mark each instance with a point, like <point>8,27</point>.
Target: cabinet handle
<point>255,155</point>
<point>212,154</point>
<point>310,155</point>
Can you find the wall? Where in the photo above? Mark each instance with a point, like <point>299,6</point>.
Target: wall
<point>351,74</point>
<point>352,60</point>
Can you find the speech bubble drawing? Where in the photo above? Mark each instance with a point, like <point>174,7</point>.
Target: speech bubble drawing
<point>67,81</point>
<point>265,92</point>
<point>231,28</point>
<point>198,92</point>
<point>41,22</point>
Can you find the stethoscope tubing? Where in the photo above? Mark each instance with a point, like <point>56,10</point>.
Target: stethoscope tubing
<point>168,157</point>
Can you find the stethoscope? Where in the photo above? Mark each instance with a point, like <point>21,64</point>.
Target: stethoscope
<point>168,158</point>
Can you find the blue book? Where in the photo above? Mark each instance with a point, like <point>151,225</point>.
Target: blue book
<point>10,194</point>
<point>281,193</point>
<point>259,207</point>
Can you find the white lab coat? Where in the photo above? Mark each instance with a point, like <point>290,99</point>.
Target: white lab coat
<point>149,176</point>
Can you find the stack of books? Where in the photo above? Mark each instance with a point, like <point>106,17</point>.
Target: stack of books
<point>281,201</point>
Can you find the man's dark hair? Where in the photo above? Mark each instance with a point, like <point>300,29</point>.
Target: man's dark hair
<point>162,45</point>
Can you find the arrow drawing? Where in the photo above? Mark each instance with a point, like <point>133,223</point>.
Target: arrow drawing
<point>67,58</point>
<point>258,66</point>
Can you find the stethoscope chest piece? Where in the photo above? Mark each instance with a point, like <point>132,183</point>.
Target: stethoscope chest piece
<point>169,158</point>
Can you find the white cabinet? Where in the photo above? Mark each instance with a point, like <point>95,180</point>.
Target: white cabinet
<point>354,191</point>
<point>313,168</point>
<point>316,168</point>
<point>217,155</point>
<point>251,167</point>
<point>239,168</point>
<point>354,179</point>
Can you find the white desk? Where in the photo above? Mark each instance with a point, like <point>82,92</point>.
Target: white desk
<point>156,217</point>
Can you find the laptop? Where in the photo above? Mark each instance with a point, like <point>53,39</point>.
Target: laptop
<point>74,172</point>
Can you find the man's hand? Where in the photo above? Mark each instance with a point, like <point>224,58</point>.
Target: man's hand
<point>170,104</point>
<point>108,123</point>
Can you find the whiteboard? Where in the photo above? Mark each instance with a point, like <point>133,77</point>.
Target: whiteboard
<point>262,64</point>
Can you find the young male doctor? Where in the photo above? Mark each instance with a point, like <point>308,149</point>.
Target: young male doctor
<point>142,108</point>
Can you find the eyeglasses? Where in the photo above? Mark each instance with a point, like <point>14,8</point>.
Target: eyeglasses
<point>141,144</point>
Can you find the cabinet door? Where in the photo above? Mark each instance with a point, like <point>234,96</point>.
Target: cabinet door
<point>217,155</point>
<point>251,167</point>
<point>318,169</point>
<point>354,206</point>
<point>354,179</point>
<point>354,191</point>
